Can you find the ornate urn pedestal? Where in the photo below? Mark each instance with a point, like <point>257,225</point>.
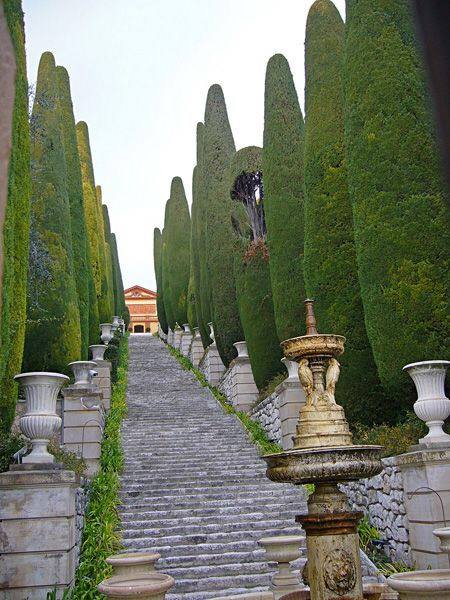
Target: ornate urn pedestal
<point>323,454</point>
<point>106,332</point>
<point>98,351</point>
<point>83,371</point>
<point>115,324</point>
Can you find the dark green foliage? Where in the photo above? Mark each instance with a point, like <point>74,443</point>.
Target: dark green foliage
<point>176,243</point>
<point>92,225</point>
<point>401,223</point>
<point>106,298</point>
<point>255,304</point>
<point>94,320</point>
<point>252,277</point>
<point>157,263</point>
<point>15,228</point>
<point>119,297</point>
<point>218,150</point>
<point>199,245</point>
<point>53,337</point>
<point>283,196</point>
<point>191,300</point>
<point>83,272</point>
<point>10,443</point>
<point>109,260</point>
<point>330,269</point>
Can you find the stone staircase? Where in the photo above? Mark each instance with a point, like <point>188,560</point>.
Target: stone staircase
<point>193,487</point>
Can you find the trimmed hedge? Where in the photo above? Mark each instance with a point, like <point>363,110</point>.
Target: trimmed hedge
<point>119,297</point>
<point>105,300</point>
<point>253,284</point>
<point>282,168</point>
<point>109,261</point>
<point>191,300</point>
<point>176,243</point>
<point>92,226</point>
<point>53,337</point>
<point>157,261</point>
<point>397,193</point>
<point>330,269</point>
<point>219,150</point>
<point>16,228</point>
<point>75,192</point>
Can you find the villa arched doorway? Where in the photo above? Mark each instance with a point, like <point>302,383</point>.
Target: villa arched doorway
<point>138,329</point>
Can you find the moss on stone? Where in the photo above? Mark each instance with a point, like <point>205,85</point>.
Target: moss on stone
<point>53,337</point>
<point>397,192</point>
<point>16,227</point>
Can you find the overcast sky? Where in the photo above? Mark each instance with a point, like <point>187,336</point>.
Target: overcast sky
<point>140,71</point>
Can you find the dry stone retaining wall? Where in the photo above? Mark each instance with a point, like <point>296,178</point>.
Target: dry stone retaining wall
<point>267,413</point>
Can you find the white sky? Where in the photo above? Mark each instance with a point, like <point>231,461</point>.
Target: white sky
<point>140,71</point>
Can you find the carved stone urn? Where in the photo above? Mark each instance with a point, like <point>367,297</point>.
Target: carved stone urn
<point>137,587</point>
<point>186,328</point>
<point>241,348</point>
<point>197,333</point>
<point>432,405</point>
<point>443,533</point>
<point>40,421</point>
<point>292,369</point>
<point>115,323</point>
<point>106,332</point>
<point>283,549</point>
<point>211,332</point>
<point>133,563</point>
<point>82,370</point>
<point>421,585</point>
<point>98,351</point>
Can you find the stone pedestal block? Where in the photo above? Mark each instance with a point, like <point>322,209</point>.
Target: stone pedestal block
<point>37,531</point>
<point>186,340</point>
<point>291,398</point>
<point>196,348</point>
<point>176,342</point>
<point>83,422</point>
<point>170,337</point>
<point>103,382</point>
<point>211,365</point>
<point>426,481</point>
<point>243,390</point>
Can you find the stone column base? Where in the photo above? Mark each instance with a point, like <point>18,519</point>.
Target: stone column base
<point>291,398</point>
<point>186,339</point>
<point>37,531</point>
<point>211,365</point>
<point>103,382</point>
<point>426,483</point>
<point>176,342</point>
<point>244,392</point>
<point>196,351</point>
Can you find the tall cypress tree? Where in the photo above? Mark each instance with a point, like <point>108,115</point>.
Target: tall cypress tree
<point>176,241</point>
<point>53,335</point>
<point>330,269</point>
<point>75,192</point>
<point>119,298</point>
<point>397,192</point>
<point>165,274</point>
<point>283,200</point>
<point>157,262</point>
<point>105,300</point>
<point>16,227</point>
<point>92,226</point>
<point>219,149</point>
<point>109,259</point>
<point>253,284</point>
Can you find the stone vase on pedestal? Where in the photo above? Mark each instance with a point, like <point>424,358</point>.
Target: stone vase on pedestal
<point>141,586</point>
<point>98,351</point>
<point>196,348</point>
<point>133,563</point>
<point>82,370</point>
<point>186,339</point>
<point>283,550</point>
<point>115,324</point>
<point>292,369</point>
<point>432,405</point>
<point>177,337</point>
<point>40,421</point>
<point>106,332</point>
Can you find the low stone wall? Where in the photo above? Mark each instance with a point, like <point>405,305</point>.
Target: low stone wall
<point>267,413</point>
<point>382,499</point>
<point>225,385</point>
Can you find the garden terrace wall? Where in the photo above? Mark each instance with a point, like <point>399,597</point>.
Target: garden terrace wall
<point>267,413</point>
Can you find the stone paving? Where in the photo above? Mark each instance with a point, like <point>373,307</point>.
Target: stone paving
<point>193,487</point>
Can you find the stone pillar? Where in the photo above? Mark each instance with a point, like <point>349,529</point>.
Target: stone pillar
<point>37,531</point>
<point>426,481</point>
<point>103,381</point>
<point>177,337</point>
<point>186,339</point>
<point>211,365</point>
<point>196,349</point>
<point>291,398</point>
<point>83,422</point>
<point>243,393</point>
<point>170,337</point>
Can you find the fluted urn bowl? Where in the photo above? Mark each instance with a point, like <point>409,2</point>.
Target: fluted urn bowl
<point>282,548</point>
<point>306,346</point>
<point>142,586</point>
<point>322,465</point>
<point>133,563</point>
<point>421,585</point>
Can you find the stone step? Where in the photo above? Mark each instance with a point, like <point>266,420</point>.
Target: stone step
<point>217,583</point>
<point>197,487</point>
<point>206,595</point>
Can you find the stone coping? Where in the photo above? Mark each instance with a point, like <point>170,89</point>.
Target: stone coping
<point>423,457</point>
<point>38,476</point>
<point>81,392</point>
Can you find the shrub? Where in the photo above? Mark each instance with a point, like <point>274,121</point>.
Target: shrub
<point>397,192</point>
<point>82,268</point>
<point>330,269</point>
<point>106,298</point>
<point>109,261</point>
<point>10,443</point>
<point>157,262</point>
<point>396,439</point>
<point>282,168</point>
<point>16,228</point>
<point>53,337</point>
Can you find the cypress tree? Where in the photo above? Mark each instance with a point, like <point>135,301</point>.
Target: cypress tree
<point>165,274</point>
<point>253,285</point>
<point>92,226</point>
<point>53,335</point>
<point>396,190</point>
<point>330,269</point>
<point>105,300</point>
<point>157,262</point>
<point>283,196</point>
<point>219,149</point>
<point>176,241</point>
<point>16,227</point>
<point>75,192</point>
<point>109,260</point>
<point>119,296</point>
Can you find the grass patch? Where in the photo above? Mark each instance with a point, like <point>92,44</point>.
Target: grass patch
<point>368,538</point>
<point>100,534</point>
